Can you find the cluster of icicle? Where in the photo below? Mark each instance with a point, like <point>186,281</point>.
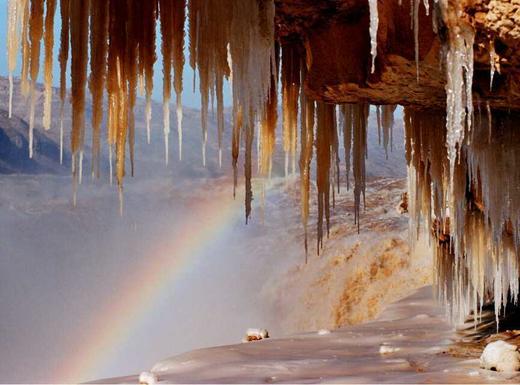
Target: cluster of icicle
<point>229,40</point>
<point>454,182</point>
<point>476,240</point>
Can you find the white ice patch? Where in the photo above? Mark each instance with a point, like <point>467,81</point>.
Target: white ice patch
<point>147,378</point>
<point>500,356</point>
<point>323,332</point>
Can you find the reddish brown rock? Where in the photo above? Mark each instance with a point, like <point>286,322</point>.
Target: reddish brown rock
<point>335,36</point>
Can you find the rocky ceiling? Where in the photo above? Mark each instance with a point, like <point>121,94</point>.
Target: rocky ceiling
<point>334,35</point>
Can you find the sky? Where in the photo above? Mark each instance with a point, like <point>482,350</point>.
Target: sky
<point>189,97</point>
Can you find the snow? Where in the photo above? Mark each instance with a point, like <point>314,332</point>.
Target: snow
<point>349,355</point>
<point>147,378</point>
<point>385,349</point>
<point>500,356</point>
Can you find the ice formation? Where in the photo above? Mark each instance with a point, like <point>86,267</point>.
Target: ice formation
<point>454,182</point>
<point>374,24</point>
<point>35,36</point>
<point>477,240</point>
<point>500,356</point>
<point>49,45</point>
<point>16,13</point>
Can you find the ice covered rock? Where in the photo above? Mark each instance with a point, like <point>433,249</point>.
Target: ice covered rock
<point>402,207</point>
<point>500,356</point>
<point>147,378</point>
<point>255,335</point>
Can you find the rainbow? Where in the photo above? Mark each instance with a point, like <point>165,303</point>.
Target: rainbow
<point>135,299</point>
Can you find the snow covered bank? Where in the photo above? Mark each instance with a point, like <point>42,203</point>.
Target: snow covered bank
<point>356,275</point>
<point>415,326</point>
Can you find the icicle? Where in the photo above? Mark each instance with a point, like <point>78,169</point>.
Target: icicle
<point>26,50</point>
<point>269,119</point>
<point>324,131</point>
<point>63,59</point>
<point>290,94</point>
<point>110,166</point>
<point>36,34</point>
<point>306,142</point>
<point>166,17</point>
<point>61,137</point>
<point>235,146</point>
<point>15,11</point>
<point>426,4</point>
<point>49,44</point>
<point>359,140</point>
<point>387,123</point>
<point>98,47</point>
<point>80,179</point>
<point>148,57</point>
<point>178,63</point>
<point>348,121</point>
<point>459,103</point>
<point>249,130</point>
<point>374,24</point>
<point>492,63</point>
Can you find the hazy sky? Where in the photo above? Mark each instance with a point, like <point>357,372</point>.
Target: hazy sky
<point>190,98</point>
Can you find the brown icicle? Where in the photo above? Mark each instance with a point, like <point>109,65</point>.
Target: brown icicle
<point>235,145</point>
<point>63,59</point>
<point>306,142</point>
<point>348,111</point>
<point>360,115</point>
<point>269,121</point>
<point>325,122</point>
<point>98,57</point>
<point>249,134</point>
<point>147,55</point>
<point>79,43</point>
<point>178,62</point>
<point>290,94</point>
<point>133,31</point>
<point>36,34</point>
<point>49,44</point>
<point>26,50</point>
<point>387,124</point>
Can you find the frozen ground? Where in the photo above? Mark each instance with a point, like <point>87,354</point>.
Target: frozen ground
<point>413,332</point>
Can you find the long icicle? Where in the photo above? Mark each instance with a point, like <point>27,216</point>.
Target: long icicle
<point>374,24</point>
<point>178,62</point>
<point>49,44</point>
<point>63,58</point>
<point>166,17</point>
<point>36,34</point>
<point>98,47</point>
<point>15,11</point>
